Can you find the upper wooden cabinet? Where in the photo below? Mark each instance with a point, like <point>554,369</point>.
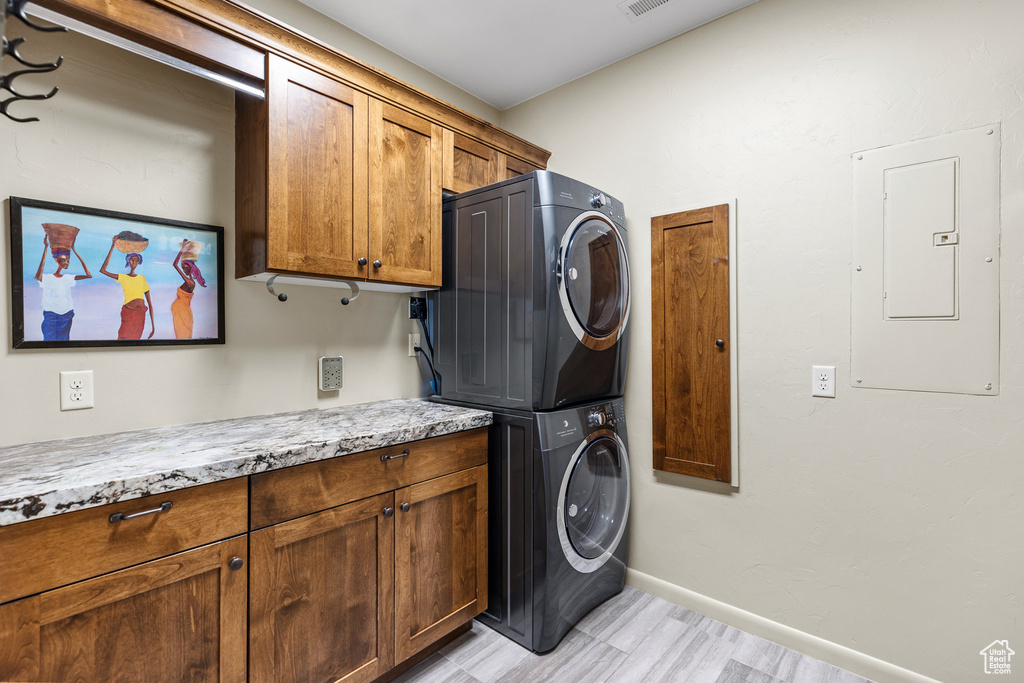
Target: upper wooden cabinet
<point>468,164</point>
<point>341,167</point>
<point>317,173</point>
<point>302,176</point>
<point>405,197</point>
<point>335,184</point>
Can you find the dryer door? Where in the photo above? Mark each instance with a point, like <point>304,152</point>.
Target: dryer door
<point>593,502</point>
<point>593,280</point>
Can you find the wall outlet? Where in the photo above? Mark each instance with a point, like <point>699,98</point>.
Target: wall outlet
<point>332,373</point>
<point>414,341</point>
<point>823,381</point>
<point>417,308</point>
<point>76,390</point>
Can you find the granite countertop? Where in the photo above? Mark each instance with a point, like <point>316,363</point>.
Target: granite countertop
<point>52,477</point>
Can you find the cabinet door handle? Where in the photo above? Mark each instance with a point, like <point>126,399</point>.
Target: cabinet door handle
<point>235,563</point>
<point>388,512</point>
<point>120,516</point>
<point>362,261</point>
<point>404,507</point>
<point>386,457</point>
<point>377,264</point>
<point>720,343</point>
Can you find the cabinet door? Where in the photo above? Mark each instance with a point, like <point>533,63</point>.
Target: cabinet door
<point>510,167</point>
<point>690,343</point>
<point>316,187</point>
<point>468,164</point>
<point>321,603</point>
<point>440,557</point>
<point>405,197</point>
<point>179,618</point>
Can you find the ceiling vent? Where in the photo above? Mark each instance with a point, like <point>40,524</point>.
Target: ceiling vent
<point>638,9</point>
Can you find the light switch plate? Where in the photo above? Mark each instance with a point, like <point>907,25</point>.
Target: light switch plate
<point>332,373</point>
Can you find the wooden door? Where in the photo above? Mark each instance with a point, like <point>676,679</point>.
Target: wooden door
<point>316,187</point>
<point>468,164</point>
<point>179,618</point>
<point>690,293</point>
<point>440,557</point>
<point>405,197</point>
<point>510,167</point>
<point>321,606</point>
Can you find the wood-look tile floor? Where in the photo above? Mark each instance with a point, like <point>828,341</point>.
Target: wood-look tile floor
<point>634,637</point>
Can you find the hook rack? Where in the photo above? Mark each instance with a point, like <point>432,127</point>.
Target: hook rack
<point>10,47</point>
<point>345,300</point>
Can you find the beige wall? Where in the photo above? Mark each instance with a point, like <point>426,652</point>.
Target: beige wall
<point>127,134</point>
<point>885,521</point>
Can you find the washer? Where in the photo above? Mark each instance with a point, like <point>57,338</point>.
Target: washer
<point>533,311</point>
<point>559,497</point>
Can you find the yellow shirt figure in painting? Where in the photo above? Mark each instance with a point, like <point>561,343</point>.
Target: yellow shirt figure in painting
<point>134,285</point>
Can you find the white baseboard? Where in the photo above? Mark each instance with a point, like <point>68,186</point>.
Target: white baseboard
<point>813,646</point>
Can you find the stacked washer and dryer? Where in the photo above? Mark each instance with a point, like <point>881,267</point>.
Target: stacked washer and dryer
<point>531,324</point>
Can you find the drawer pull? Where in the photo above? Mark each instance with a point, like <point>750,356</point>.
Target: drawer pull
<point>120,516</point>
<point>385,457</point>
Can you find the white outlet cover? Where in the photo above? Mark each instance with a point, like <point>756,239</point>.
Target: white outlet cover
<point>823,381</point>
<point>76,392</point>
<point>332,373</point>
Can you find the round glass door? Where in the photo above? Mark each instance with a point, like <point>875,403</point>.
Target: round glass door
<point>594,502</point>
<point>594,286</point>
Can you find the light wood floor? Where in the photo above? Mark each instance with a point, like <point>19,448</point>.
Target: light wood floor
<point>632,637</point>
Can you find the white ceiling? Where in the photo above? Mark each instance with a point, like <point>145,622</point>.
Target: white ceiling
<point>505,52</point>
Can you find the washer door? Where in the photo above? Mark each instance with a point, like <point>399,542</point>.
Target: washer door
<point>593,502</point>
<point>593,280</point>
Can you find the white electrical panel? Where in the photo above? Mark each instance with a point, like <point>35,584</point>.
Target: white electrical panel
<point>925,310</point>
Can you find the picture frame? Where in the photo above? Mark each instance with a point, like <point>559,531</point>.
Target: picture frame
<point>88,277</point>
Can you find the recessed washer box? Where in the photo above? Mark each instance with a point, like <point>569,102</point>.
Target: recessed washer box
<point>925,310</point>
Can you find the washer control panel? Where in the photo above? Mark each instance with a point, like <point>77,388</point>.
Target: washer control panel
<point>601,415</point>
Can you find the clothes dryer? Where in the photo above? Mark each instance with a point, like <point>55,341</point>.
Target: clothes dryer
<point>558,501</point>
<point>533,310</point>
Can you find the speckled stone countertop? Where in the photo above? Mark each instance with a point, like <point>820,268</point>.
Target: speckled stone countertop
<point>51,477</point>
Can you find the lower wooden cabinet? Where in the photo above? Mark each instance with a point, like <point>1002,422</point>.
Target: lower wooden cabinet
<point>344,593</point>
<point>179,618</point>
<point>321,595</point>
<point>347,593</point>
<point>440,557</point>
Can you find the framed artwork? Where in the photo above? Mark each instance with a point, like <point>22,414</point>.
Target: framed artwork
<point>91,277</point>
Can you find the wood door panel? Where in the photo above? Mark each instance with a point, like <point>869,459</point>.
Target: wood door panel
<point>317,179</point>
<point>321,605</point>
<point>690,292</point>
<point>468,164</point>
<point>440,557</point>
<point>178,618</point>
<point>405,197</point>
<point>510,167</point>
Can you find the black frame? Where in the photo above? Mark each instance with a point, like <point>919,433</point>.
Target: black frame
<point>18,340</point>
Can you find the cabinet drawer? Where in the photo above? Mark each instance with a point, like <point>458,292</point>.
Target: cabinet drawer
<point>55,551</point>
<point>295,491</point>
